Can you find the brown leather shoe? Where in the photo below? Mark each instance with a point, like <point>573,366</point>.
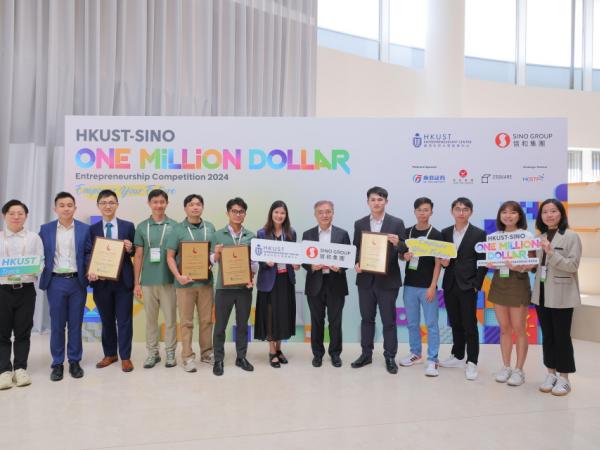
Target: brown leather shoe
<point>126,365</point>
<point>106,361</point>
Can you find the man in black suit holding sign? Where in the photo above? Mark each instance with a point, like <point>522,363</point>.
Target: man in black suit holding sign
<point>379,290</point>
<point>462,281</point>
<point>326,288</point>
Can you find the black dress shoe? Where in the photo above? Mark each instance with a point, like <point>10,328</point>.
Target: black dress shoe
<point>336,361</point>
<point>282,359</point>
<point>362,361</point>
<point>57,372</point>
<point>244,364</point>
<point>218,368</point>
<point>391,366</point>
<point>317,361</point>
<point>75,369</point>
<point>274,360</point>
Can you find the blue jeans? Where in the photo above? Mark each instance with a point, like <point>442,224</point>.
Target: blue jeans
<point>414,298</point>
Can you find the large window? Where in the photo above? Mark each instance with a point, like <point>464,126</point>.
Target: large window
<point>408,32</point>
<point>596,46</point>
<point>575,166</point>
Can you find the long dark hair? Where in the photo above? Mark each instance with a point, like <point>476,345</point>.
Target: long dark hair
<point>516,207</point>
<point>562,225</point>
<point>269,227</point>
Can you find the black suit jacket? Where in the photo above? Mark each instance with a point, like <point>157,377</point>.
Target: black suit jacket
<point>463,270</point>
<point>126,230</point>
<point>393,279</point>
<point>314,279</point>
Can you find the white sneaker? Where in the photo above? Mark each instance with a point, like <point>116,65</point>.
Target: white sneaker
<point>6,380</point>
<point>517,378</point>
<point>503,374</point>
<point>471,371</point>
<point>431,369</point>
<point>562,387</point>
<point>189,365</point>
<point>208,359</point>
<point>548,383</point>
<point>22,378</point>
<point>453,361</point>
<point>410,359</point>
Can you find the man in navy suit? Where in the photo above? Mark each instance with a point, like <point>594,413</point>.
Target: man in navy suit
<point>114,299</point>
<point>379,290</point>
<point>67,249</point>
<point>326,288</point>
<point>462,282</point>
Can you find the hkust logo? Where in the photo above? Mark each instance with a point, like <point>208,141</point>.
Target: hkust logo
<point>439,140</point>
<point>258,250</point>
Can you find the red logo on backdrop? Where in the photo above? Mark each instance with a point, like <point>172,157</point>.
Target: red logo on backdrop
<point>502,140</point>
<point>312,252</point>
<point>463,173</point>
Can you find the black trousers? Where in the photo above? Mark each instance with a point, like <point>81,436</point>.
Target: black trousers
<point>461,307</point>
<point>225,300</point>
<point>557,346</point>
<point>333,303</point>
<point>16,317</point>
<point>368,300</point>
<point>115,305</point>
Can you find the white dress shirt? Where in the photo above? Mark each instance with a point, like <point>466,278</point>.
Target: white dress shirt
<point>376,224</point>
<point>65,256</point>
<point>21,243</point>
<point>457,236</point>
<point>114,230</point>
<point>325,236</point>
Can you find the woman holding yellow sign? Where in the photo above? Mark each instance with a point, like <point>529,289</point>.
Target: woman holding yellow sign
<point>511,293</point>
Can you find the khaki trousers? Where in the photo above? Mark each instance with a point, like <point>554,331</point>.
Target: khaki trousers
<point>188,300</point>
<point>161,297</point>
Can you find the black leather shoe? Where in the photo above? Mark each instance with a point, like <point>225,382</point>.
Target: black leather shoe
<point>218,368</point>
<point>57,372</point>
<point>336,361</point>
<point>75,370</point>
<point>362,361</point>
<point>244,364</point>
<point>317,361</point>
<point>391,366</point>
<point>274,360</point>
<point>281,357</point>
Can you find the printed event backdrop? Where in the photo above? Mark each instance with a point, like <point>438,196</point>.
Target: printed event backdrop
<point>302,160</point>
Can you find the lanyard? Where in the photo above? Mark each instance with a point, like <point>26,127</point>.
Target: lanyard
<point>232,236</point>
<point>162,236</point>
<point>192,234</point>
<point>426,236</point>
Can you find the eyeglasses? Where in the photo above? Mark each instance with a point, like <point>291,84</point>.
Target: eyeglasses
<point>107,203</point>
<point>462,210</point>
<point>325,213</point>
<point>238,212</point>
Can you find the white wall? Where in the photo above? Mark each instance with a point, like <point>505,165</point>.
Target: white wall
<point>349,85</point>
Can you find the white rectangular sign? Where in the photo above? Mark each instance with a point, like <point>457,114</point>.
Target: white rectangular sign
<point>305,252</point>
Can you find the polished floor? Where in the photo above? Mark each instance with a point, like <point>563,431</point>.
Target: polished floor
<point>298,406</point>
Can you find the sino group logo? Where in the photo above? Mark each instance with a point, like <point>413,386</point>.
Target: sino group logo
<point>502,140</point>
<point>312,252</point>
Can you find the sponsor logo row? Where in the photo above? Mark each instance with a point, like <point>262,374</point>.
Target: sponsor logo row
<point>464,177</point>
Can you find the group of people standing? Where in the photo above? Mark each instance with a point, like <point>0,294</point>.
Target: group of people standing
<point>154,277</point>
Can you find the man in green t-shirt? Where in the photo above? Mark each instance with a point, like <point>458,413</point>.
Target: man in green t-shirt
<point>153,279</point>
<point>227,297</point>
<point>192,294</point>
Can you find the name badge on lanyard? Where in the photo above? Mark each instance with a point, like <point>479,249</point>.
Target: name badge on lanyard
<point>504,272</point>
<point>543,274</point>
<point>155,251</point>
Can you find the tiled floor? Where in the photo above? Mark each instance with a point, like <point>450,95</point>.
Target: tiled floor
<point>298,406</point>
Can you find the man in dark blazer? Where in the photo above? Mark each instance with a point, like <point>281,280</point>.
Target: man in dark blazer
<point>461,284</point>
<point>326,288</point>
<point>379,290</point>
<point>67,250</point>
<point>114,299</point>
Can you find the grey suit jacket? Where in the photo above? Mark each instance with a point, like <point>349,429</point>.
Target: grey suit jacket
<point>561,288</point>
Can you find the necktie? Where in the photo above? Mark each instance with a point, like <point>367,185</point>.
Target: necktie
<point>109,230</point>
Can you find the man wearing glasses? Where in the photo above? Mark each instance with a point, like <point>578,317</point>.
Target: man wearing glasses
<point>461,284</point>
<point>114,299</point>
<point>227,297</point>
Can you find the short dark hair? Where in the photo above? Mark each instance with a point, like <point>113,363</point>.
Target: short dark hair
<point>106,193</point>
<point>376,190</point>
<point>237,201</point>
<point>9,204</point>
<point>516,207</point>
<point>562,225</point>
<point>464,200</point>
<point>191,197</point>
<point>62,195</point>
<point>158,193</point>
<point>422,201</point>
